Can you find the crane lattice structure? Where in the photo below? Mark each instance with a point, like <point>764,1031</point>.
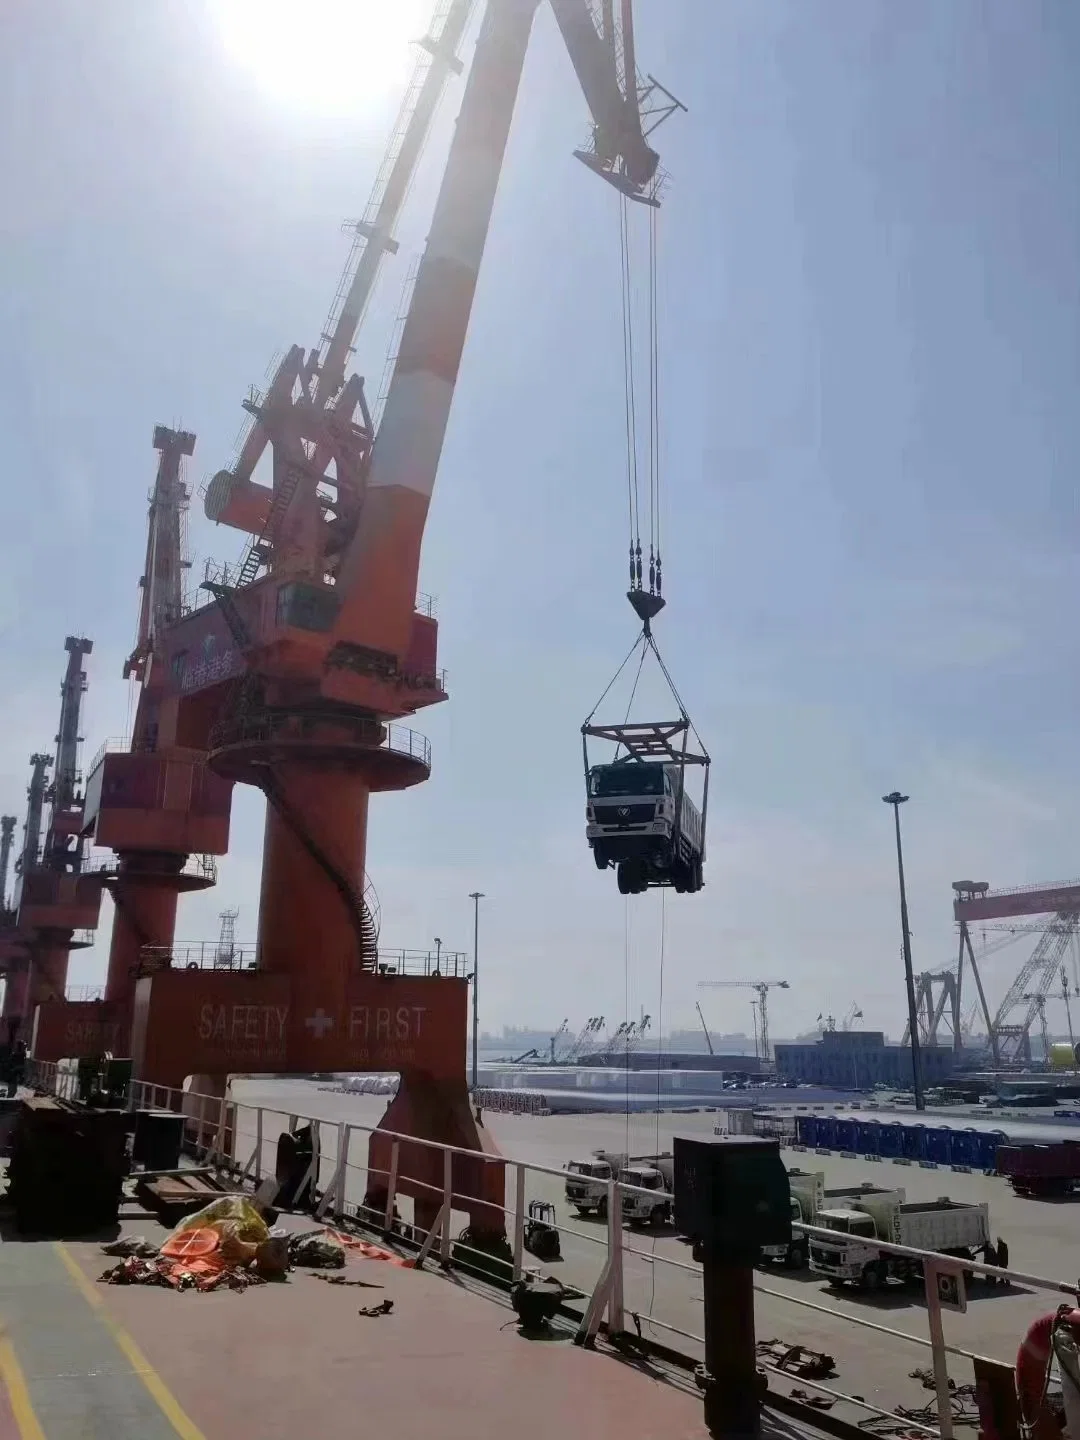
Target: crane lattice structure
<point>225,954</point>
<point>1009,1029</point>
<point>583,1038</point>
<point>761,1006</point>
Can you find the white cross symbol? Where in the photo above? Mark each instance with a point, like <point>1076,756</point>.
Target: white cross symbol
<point>319,1023</point>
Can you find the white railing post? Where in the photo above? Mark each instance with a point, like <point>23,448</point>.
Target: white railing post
<point>219,1138</point>
<point>201,1142</point>
<point>931,1274</point>
<point>258,1145</point>
<point>615,1251</point>
<point>448,1172</point>
<point>519,1221</point>
<point>391,1187</point>
<point>343,1168</point>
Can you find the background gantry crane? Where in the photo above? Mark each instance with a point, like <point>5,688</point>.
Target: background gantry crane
<point>1009,1028</point>
<point>761,1007</point>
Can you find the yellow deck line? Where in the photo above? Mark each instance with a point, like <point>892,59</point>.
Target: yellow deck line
<point>18,1393</point>
<point>163,1397</point>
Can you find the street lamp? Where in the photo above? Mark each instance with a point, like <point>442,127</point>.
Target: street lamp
<point>438,955</point>
<point>896,800</point>
<point>475,896</point>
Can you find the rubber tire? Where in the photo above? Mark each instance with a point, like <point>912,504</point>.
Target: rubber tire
<point>599,860</point>
<point>622,874</point>
<point>872,1279</point>
<point>797,1257</point>
<point>601,1209</point>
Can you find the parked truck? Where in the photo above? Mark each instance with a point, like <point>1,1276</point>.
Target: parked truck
<point>946,1226</point>
<point>640,819</point>
<point>809,1198</point>
<point>1041,1171</point>
<point>587,1185</point>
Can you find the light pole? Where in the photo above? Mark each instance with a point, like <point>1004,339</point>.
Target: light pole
<point>896,800</point>
<point>438,955</point>
<point>475,896</point>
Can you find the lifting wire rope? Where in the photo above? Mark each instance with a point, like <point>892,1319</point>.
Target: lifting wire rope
<point>652,841</point>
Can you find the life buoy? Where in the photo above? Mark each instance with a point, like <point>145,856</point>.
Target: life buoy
<point>1033,1363</point>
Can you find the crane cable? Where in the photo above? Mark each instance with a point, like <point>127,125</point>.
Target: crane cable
<point>630,404</point>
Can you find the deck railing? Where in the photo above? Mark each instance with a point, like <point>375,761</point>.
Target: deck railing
<point>623,1281</point>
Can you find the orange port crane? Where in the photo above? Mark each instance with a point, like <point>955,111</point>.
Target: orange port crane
<point>54,899</point>
<point>152,801</point>
<point>295,677</point>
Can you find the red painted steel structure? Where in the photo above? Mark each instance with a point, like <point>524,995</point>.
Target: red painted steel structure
<point>54,898</point>
<point>155,804</point>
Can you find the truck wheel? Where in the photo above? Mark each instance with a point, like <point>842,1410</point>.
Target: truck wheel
<point>796,1256</point>
<point>601,1209</point>
<point>699,875</point>
<point>873,1277</point>
<point>623,877</point>
<point>599,858</point>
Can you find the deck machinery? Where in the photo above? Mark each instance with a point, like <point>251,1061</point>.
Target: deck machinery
<point>295,676</point>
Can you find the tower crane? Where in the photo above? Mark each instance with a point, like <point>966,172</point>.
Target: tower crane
<point>322,629</point>
<point>761,1015</point>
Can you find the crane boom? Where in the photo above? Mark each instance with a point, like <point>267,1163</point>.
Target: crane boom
<point>379,568</point>
<point>373,233</point>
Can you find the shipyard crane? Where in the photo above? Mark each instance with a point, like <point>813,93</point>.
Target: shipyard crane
<point>708,1037</point>
<point>7,840</point>
<point>593,1024</point>
<point>332,638</point>
<point>152,799</point>
<point>295,676</point>
<point>761,1012</point>
<point>54,899</point>
<point>975,903</point>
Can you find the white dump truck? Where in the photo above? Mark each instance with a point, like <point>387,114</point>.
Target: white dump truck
<point>587,1186</point>
<point>640,819</point>
<point>809,1198</point>
<point>949,1227</point>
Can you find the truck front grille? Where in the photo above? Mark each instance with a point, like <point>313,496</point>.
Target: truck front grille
<point>612,813</point>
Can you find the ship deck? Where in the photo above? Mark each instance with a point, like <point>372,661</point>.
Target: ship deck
<point>83,1360</point>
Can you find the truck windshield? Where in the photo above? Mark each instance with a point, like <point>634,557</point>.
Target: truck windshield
<point>595,1172</point>
<point>643,1179</point>
<point>632,779</point>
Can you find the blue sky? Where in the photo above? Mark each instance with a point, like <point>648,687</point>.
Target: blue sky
<point>870,355</point>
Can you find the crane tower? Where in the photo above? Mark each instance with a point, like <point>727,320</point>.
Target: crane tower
<point>296,678</point>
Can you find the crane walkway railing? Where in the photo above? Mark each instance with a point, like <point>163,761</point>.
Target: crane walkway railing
<point>605,1268</point>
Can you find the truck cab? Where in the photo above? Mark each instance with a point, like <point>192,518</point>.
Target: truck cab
<point>640,819</point>
<point>654,1208</point>
<point>587,1186</point>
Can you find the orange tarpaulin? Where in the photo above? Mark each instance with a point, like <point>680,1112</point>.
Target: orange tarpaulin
<point>369,1251</point>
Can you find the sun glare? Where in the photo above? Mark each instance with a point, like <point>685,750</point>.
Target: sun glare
<point>337,57</point>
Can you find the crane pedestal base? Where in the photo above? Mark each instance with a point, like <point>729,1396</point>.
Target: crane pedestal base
<point>437,1111</point>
